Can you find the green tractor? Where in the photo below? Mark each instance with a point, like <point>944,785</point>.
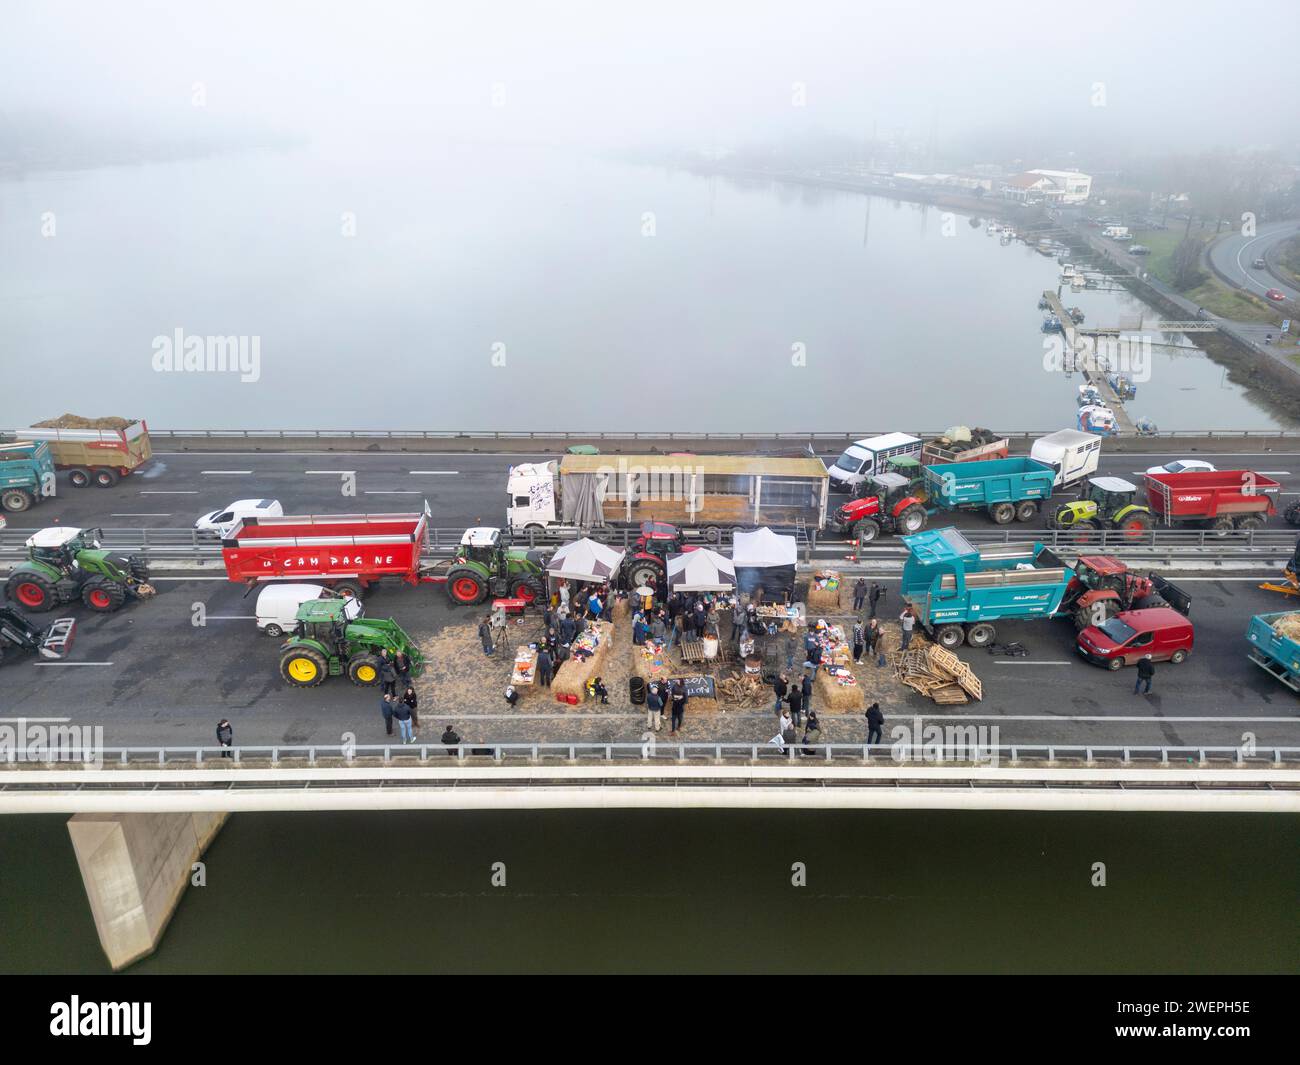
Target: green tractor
<point>484,566</point>
<point>1104,503</point>
<point>326,644</point>
<point>64,564</point>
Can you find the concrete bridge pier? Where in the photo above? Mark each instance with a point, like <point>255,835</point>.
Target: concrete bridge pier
<point>135,868</point>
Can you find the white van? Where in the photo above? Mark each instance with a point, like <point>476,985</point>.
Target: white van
<point>277,606</point>
<point>865,458</point>
<point>1072,454</point>
<point>219,523</point>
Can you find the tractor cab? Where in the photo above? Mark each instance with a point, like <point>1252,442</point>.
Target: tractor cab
<point>1095,572</point>
<point>659,538</point>
<point>1111,494</point>
<point>890,488</point>
<point>58,546</point>
<point>322,619</point>
<point>483,545</point>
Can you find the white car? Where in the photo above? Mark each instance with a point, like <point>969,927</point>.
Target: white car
<point>277,606</point>
<point>220,523</point>
<point>1183,466</point>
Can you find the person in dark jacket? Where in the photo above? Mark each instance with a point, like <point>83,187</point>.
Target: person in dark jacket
<point>402,667</point>
<point>812,733</point>
<point>859,640</point>
<point>512,696</point>
<point>806,684</point>
<point>485,635</point>
<point>875,722</point>
<point>450,739</point>
<point>544,668</point>
<point>403,714</point>
<point>859,594</point>
<point>387,674</point>
<point>1146,670</point>
<point>679,705</point>
<point>386,708</point>
<point>568,630</point>
<point>225,737</point>
<point>873,597</point>
<point>779,687</point>
<point>412,702</point>
<point>795,699</point>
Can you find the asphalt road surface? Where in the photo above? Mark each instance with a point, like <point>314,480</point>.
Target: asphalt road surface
<point>462,490</point>
<point>1232,257</point>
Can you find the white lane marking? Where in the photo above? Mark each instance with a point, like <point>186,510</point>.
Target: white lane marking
<point>226,473</point>
<point>140,514</point>
<point>232,617</point>
<point>434,473</point>
<point>333,473</point>
<point>189,492</point>
<point>387,492</point>
<point>1065,662</point>
<point>1246,273</point>
<point>73,663</point>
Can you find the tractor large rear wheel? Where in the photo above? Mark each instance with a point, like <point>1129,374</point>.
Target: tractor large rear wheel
<point>103,595</point>
<point>363,670</point>
<point>31,591</point>
<point>303,667</point>
<point>642,572</point>
<point>1134,524</point>
<point>466,588</point>
<point>16,500</point>
<point>912,520</point>
<point>865,531</point>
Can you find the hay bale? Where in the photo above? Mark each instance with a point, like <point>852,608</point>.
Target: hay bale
<point>571,678</point>
<point>655,667</point>
<point>830,694</point>
<point>824,600</point>
<point>76,421</point>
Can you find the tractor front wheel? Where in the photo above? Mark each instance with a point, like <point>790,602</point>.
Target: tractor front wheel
<point>465,587</point>
<point>865,531</point>
<point>529,589</point>
<point>303,667</point>
<point>103,595</point>
<point>363,670</point>
<point>31,591</point>
<point>912,520</point>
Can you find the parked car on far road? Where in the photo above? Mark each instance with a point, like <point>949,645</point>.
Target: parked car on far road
<point>1276,295</point>
<point>1183,466</point>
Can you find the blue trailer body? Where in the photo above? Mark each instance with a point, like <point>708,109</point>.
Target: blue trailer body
<point>988,483</point>
<point>26,471</point>
<point>957,591</point>
<point>1272,651</point>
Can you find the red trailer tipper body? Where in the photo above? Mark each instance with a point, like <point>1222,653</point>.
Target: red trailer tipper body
<point>326,548</point>
<point>1225,498</point>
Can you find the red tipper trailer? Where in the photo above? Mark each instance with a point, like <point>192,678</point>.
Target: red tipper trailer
<point>352,550</point>
<point>1225,499</point>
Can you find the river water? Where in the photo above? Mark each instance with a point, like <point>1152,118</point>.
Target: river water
<point>493,288</point>
<point>693,891</point>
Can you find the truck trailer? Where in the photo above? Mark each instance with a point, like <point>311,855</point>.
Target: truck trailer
<point>1222,500</point>
<point>1274,651</point>
<point>1008,489</point>
<point>99,456</point>
<point>958,592</point>
<point>1072,454</point>
<point>706,492</point>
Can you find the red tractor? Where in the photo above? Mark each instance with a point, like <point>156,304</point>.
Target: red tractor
<point>1103,586</point>
<point>896,505</point>
<point>648,556</point>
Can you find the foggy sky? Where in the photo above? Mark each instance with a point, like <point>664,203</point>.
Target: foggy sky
<point>1175,75</point>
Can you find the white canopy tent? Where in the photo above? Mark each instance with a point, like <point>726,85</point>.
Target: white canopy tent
<point>765,562</point>
<point>585,560</point>
<point>701,571</point>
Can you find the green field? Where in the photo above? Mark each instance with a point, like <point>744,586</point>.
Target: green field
<point>1212,294</point>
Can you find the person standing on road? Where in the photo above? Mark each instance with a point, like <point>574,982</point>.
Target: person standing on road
<point>403,714</point>
<point>679,705</point>
<point>874,597</point>
<point>807,685</point>
<point>402,667</point>
<point>908,621</point>
<point>412,702</point>
<point>779,687</point>
<point>859,594</point>
<point>859,641</point>
<point>795,699</point>
<point>544,667</point>
<point>387,674</point>
<point>1146,670</point>
<point>225,737</point>
<point>873,639</point>
<point>450,740</point>
<point>386,708</point>
<point>654,707</point>
<point>485,635</point>
<point>875,722</point>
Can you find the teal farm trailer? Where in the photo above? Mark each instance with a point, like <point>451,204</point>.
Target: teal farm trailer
<point>958,591</point>
<point>26,475</point>
<point>1274,652</point>
<point>1009,489</point>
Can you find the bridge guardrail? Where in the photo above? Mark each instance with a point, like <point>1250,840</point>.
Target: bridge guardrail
<point>657,751</point>
<point>624,434</point>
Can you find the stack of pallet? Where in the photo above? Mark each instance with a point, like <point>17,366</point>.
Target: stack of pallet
<point>936,673</point>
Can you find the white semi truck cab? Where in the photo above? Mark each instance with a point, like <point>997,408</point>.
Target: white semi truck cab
<point>534,490</point>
